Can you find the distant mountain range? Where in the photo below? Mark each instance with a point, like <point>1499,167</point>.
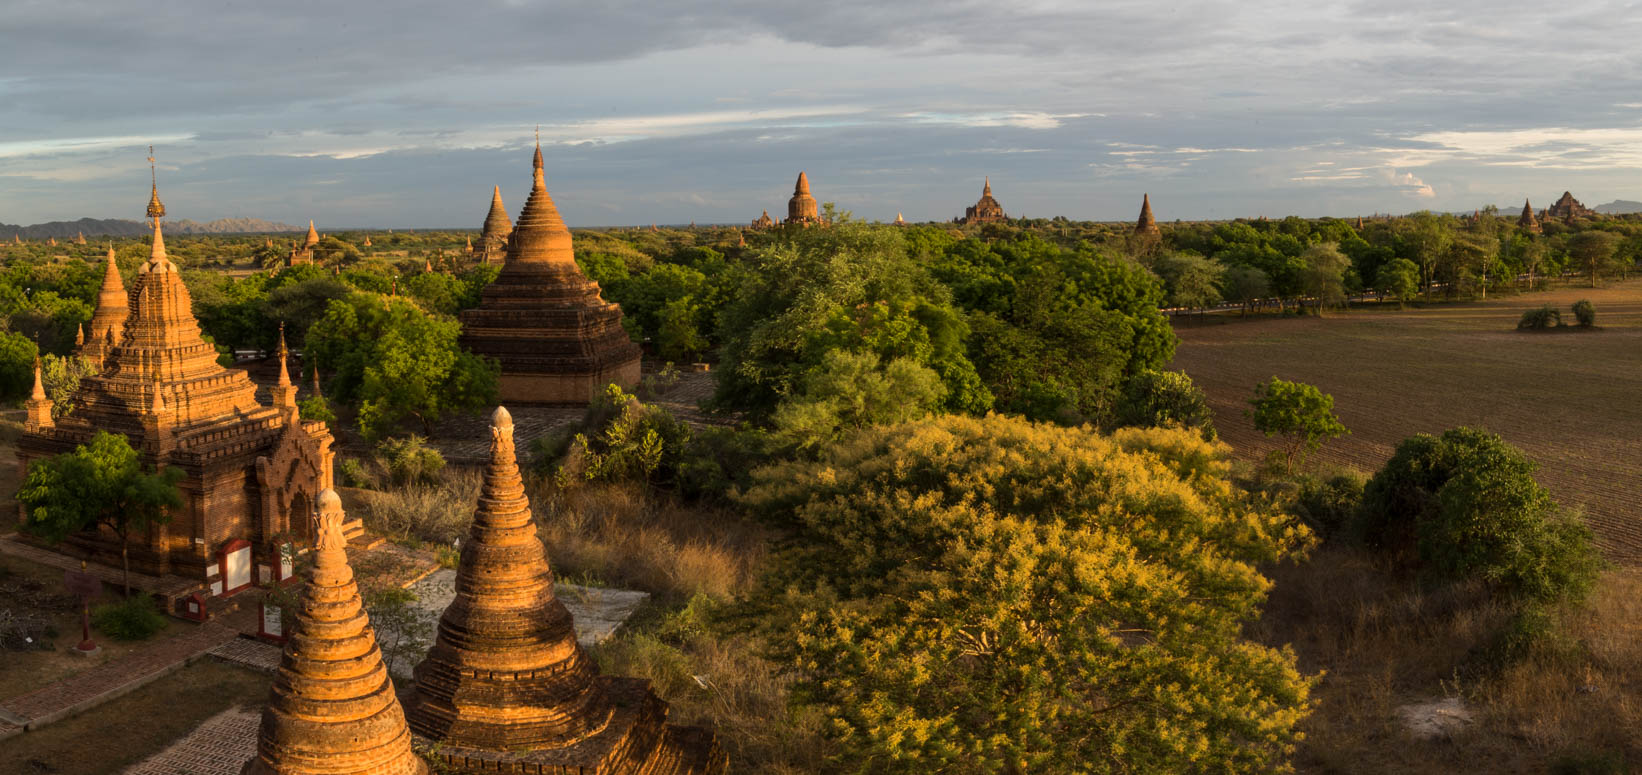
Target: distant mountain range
<point>114,227</point>
<point>1619,207</point>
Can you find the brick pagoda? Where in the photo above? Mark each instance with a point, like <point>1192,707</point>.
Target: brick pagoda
<point>764,221</point>
<point>493,240</point>
<point>108,320</point>
<point>1147,225</point>
<point>801,208</point>
<point>556,339</point>
<point>252,471</point>
<point>1568,208</point>
<point>506,688</point>
<point>986,209</point>
<point>304,253</point>
<point>332,709</point>
<point>1528,222</point>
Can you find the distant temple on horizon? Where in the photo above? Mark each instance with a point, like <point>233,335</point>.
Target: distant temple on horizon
<point>1147,225</point>
<point>556,339</point>
<point>1527,221</point>
<point>801,208</point>
<point>1568,208</point>
<point>303,253</point>
<point>985,210</point>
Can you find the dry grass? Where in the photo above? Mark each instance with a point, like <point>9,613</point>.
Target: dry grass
<point>617,534</point>
<point>740,695</point>
<point>435,514</point>
<point>1384,642</point>
<point>1568,401</point>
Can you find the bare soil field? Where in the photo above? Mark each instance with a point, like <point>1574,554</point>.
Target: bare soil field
<point>1571,399</point>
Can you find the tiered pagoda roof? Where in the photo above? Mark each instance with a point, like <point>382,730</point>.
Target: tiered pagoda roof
<point>332,709</point>
<point>108,320</point>
<point>1528,222</point>
<point>556,339</point>
<point>507,688</point>
<point>986,209</point>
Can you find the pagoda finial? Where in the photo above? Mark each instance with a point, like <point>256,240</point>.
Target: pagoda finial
<point>540,182</point>
<point>156,208</point>
<point>803,185</point>
<point>284,375</point>
<point>39,393</point>
<point>986,187</point>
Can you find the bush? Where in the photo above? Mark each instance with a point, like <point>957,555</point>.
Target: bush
<point>1165,398</point>
<point>1298,411</point>
<point>1585,313</point>
<point>625,440</point>
<point>409,460</point>
<point>1540,319</point>
<point>1466,506</point>
<point>995,595</point>
<point>353,474</point>
<point>1328,505</point>
<point>134,618</point>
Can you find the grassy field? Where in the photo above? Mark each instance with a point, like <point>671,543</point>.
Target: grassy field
<point>1572,400</point>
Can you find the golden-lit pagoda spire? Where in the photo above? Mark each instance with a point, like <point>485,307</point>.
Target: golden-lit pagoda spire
<point>313,236</point>
<point>156,208</point>
<point>986,187</point>
<point>38,406</point>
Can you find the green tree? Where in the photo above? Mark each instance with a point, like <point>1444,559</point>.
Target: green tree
<point>848,391</point>
<point>394,360</point>
<point>1192,281</point>
<point>1593,252</point>
<point>17,354</point>
<point>992,595</point>
<point>61,379</point>
<point>1245,285</point>
<point>1324,276</point>
<point>1299,412</point>
<point>1400,279</point>
<point>1465,506</point>
<point>1165,398</point>
<point>103,484</point>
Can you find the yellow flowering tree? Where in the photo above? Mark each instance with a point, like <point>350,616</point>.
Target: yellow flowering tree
<point>995,595</point>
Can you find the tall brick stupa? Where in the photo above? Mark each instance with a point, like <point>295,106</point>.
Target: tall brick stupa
<point>332,709</point>
<point>507,688</point>
<point>557,340</point>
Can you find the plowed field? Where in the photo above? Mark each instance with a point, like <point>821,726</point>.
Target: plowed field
<point>1572,401</point>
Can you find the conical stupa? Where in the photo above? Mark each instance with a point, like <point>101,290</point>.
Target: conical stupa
<point>801,208</point>
<point>1147,225</point>
<point>556,339</point>
<point>506,687</point>
<point>493,240</point>
<point>1528,222</point>
<point>332,710</point>
<point>112,310</point>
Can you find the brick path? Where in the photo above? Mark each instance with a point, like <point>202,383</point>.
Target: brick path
<point>248,652</point>
<point>168,586</point>
<point>218,746</point>
<point>109,680</point>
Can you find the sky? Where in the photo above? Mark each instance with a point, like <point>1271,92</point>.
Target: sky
<point>403,115</point>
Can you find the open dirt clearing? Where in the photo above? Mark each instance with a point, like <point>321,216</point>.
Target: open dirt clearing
<point>1572,401</point>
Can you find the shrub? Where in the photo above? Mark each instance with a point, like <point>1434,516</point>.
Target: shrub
<point>1165,398</point>
<point>134,618</point>
<point>624,439</point>
<point>1540,319</point>
<point>409,460</point>
<point>1466,506</point>
<point>1585,313</point>
<point>354,474</point>
<point>994,595</point>
<point>1328,505</point>
<point>316,408</point>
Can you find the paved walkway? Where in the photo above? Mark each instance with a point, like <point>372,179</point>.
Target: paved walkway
<point>218,746</point>
<point>113,679</point>
<point>166,586</point>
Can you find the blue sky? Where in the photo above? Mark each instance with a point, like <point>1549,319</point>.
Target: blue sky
<point>405,114</point>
